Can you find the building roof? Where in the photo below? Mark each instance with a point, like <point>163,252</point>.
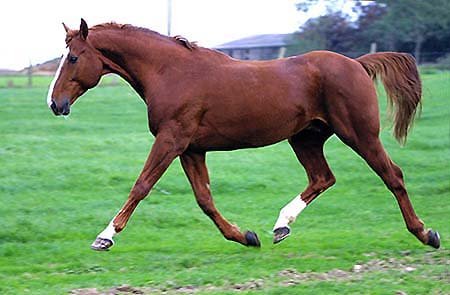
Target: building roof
<point>266,40</point>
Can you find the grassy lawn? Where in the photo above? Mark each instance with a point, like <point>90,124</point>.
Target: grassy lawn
<point>21,81</point>
<point>61,181</point>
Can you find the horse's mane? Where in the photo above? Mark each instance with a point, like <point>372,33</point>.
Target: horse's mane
<point>115,26</point>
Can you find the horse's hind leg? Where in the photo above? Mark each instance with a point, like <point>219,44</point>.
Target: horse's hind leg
<point>375,155</point>
<point>197,173</point>
<point>364,140</point>
<point>308,147</point>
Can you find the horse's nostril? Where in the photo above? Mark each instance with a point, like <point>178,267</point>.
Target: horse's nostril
<point>62,109</point>
<point>66,108</point>
<point>53,107</point>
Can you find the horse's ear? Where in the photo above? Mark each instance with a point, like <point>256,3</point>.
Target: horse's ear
<point>66,28</point>
<point>84,30</point>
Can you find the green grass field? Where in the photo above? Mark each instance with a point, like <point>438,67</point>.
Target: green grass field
<point>61,181</point>
<point>21,81</point>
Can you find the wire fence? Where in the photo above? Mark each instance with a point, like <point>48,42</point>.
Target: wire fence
<point>40,80</point>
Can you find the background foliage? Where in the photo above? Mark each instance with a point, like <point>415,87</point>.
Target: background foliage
<point>415,26</point>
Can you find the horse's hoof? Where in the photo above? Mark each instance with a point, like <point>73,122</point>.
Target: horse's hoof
<point>433,239</point>
<point>280,234</point>
<point>101,244</point>
<point>252,239</point>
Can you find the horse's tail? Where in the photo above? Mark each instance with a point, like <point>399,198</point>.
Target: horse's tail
<point>400,77</point>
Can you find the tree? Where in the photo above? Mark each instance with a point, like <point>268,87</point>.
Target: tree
<point>336,30</point>
<point>365,33</point>
<point>331,32</point>
<point>414,21</point>
<point>395,25</point>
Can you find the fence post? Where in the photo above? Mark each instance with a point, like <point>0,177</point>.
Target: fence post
<point>30,75</point>
<point>373,47</point>
<point>282,52</point>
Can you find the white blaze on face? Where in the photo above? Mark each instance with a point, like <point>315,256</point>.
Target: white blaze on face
<point>58,72</point>
<point>290,212</point>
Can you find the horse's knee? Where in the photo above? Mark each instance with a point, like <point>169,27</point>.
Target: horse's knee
<point>140,190</point>
<point>322,182</point>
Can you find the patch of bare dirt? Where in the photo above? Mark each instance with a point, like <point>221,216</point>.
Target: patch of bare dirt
<point>289,277</point>
<point>355,273</point>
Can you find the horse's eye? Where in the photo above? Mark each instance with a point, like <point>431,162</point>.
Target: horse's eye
<point>73,59</point>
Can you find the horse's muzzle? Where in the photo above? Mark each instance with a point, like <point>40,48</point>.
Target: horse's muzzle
<point>62,109</point>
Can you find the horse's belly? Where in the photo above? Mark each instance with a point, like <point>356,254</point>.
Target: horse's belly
<point>247,132</point>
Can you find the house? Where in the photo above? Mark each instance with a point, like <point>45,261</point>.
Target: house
<point>258,47</point>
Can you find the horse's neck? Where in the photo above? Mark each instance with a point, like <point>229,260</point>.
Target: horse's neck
<point>137,59</point>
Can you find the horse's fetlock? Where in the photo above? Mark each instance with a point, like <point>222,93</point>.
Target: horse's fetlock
<point>416,230</point>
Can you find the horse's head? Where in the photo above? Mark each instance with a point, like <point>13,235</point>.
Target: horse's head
<point>80,69</point>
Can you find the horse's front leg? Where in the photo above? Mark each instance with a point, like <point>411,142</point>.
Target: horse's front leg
<point>197,173</point>
<point>164,150</point>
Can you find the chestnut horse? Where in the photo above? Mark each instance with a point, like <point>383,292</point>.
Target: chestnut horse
<point>200,100</point>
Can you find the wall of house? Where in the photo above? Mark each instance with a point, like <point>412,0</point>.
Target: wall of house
<point>264,53</point>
